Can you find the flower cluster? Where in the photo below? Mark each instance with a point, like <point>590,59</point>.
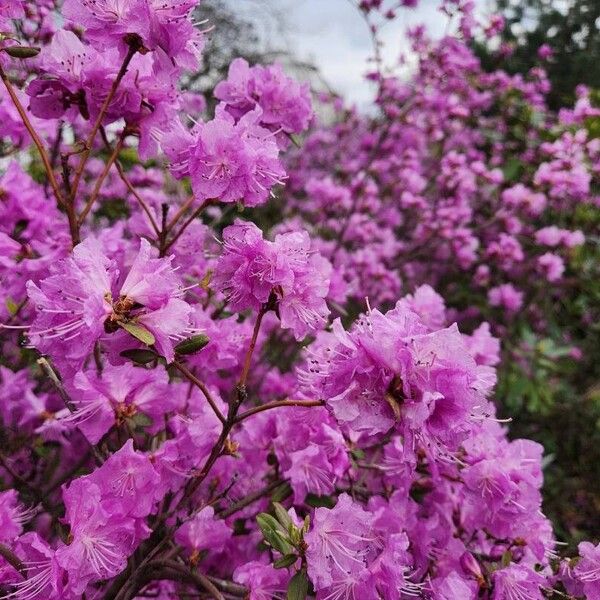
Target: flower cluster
<point>198,404</point>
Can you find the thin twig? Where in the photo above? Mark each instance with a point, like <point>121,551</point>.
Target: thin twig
<point>278,404</point>
<point>131,189</point>
<point>131,51</point>
<point>13,560</point>
<point>103,176</point>
<point>189,221</point>
<point>182,210</point>
<point>202,387</point>
<point>34,136</point>
<point>62,392</point>
<point>250,499</point>
<point>199,579</point>
<point>251,347</point>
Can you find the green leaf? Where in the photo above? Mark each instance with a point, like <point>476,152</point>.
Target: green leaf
<point>12,307</point>
<point>139,355</point>
<point>192,345</point>
<point>512,169</point>
<point>282,516</point>
<point>306,525</point>
<point>281,492</point>
<point>295,140</point>
<point>141,420</point>
<point>286,561</point>
<point>298,586</point>
<point>139,332</point>
<point>319,501</point>
<point>22,51</point>
<point>274,534</point>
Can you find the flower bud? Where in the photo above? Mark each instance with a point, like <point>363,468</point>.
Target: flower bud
<point>471,567</point>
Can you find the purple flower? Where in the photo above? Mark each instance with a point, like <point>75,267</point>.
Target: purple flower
<point>99,541</point>
<point>82,300</point>
<point>262,580</point>
<point>507,297</point>
<point>157,23</point>
<point>285,105</point>
<point>45,577</point>
<point>119,393</point>
<point>203,532</point>
<point>234,162</point>
<point>517,582</point>
<point>128,483</point>
<point>587,570</point>
<point>552,266</point>
<point>252,268</point>
<point>12,515</point>
<point>338,543</point>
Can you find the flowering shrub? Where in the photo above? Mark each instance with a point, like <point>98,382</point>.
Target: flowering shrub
<point>192,406</point>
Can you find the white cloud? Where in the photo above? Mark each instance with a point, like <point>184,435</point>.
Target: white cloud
<point>333,35</point>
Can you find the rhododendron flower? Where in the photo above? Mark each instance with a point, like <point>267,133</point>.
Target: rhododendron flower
<point>233,162</point>
<point>82,300</point>
<point>119,393</point>
<point>285,105</point>
<point>263,581</point>
<point>517,582</point>
<point>551,266</point>
<point>401,371</point>
<point>45,577</point>
<point>339,543</point>
<point>12,515</point>
<point>100,542</point>
<point>507,297</point>
<point>129,484</point>
<point>587,570</point>
<point>252,268</point>
<point>164,24</point>
<point>203,532</point>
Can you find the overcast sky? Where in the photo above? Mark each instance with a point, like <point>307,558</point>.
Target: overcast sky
<point>332,35</point>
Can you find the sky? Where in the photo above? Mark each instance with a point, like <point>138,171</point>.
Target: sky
<point>333,35</point>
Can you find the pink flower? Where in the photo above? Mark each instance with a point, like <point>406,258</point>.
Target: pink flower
<point>252,268</point>
<point>506,296</point>
<point>12,515</point>
<point>285,105</point>
<point>587,570</point>
<point>551,266</point>
<point>164,24</point>
<point>234,162</point>
<point>339,543</point>
<point>128,483</point>
<point>82,300</point>
<point>100,541</point>
<point>203,532</point>
<point>517,581</point>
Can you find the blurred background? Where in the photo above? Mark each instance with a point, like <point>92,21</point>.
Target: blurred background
<point>553,399</point>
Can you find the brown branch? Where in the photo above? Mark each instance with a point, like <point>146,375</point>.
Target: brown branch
<point>278,404</point>
<point>189,221</point>
<point>182,210</point>
<point>89,142</point>
<point>13,560</point>
<point>131,189</point>
<point>200,580</point>
<point>202,387</point>
<point>96,192</point>
<point>62,392</point>
<point>34,136</point>
<point>229,587</point>
<point>249,499</point>
<point>252,346</point>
